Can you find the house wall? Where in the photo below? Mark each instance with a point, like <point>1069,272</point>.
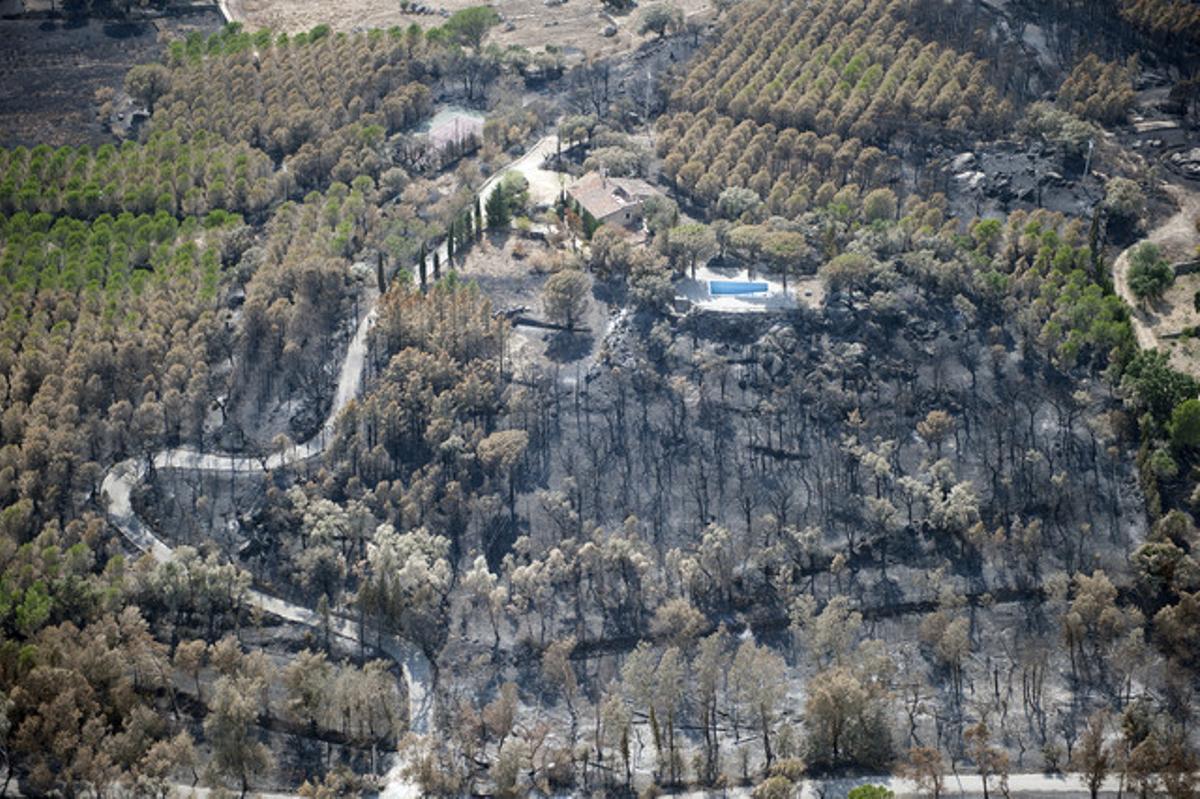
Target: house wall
<point>629,216</point>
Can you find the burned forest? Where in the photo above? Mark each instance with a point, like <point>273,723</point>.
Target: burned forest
<point>757,398</point>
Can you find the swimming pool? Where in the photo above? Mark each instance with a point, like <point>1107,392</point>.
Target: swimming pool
<point>728,287</point>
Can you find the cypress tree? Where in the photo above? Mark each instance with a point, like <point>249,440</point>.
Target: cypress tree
<point>499,215</point>
<point>1096,251</point>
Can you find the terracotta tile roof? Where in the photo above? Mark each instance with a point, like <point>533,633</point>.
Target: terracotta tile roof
<point>603,196</point>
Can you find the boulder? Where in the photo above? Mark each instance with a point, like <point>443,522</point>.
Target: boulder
<point>1186,157</point>
<point>962,162</point>
<point>972,179</point>
<point>1188,162</point>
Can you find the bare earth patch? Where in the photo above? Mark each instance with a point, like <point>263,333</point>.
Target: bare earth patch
<point>502,265</point>
<point>577,24</point>
<point>1159,323</point>
<point>1175,311</point>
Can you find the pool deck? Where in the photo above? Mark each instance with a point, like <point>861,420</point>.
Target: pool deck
<point>736,287</point>
<point>803,292</point>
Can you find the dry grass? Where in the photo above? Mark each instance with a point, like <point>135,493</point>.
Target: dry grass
<point>1185,355</point>
<point>1175,311</point>
<point>1172,315</point>
<point>575,24</point>
<point>1158,323</point>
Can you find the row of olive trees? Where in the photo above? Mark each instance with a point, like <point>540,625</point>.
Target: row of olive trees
<point>787,171</point>
<point>164,174</point>
<point>110,324</point>
<point>848,68</point>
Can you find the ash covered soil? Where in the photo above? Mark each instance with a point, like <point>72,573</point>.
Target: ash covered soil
<point>50,70</point>
<point>1007,176</point>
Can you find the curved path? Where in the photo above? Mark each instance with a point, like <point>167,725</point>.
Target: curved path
<point>120,480</point>
<point>1178,230</point>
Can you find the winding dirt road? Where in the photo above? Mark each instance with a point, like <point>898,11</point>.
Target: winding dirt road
<point>120,481</point>
<point>1176,233</point>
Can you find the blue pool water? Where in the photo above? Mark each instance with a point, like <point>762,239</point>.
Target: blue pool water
<point>725,287</point>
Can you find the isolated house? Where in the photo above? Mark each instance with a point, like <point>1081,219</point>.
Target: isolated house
<point>612,201</point>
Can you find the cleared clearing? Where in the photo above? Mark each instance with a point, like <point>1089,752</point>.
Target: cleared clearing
<point>1161,321</point>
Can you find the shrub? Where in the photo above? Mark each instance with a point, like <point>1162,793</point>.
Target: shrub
<point>1164,466</point>
<point>1185,425</point>
<point>879,205</point>
<point>1124,199</point>
<point>1149,273</point>
<point>870,792</point>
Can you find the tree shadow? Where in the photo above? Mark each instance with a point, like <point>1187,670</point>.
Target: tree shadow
<point>498,538</point>
<point>886,591</point>
<point>566,346</point>
<point>610,292</point>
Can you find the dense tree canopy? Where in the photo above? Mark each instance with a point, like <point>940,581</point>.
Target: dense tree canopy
<point>182,178</point>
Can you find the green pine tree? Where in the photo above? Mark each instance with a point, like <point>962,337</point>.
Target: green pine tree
<point>499,215</point>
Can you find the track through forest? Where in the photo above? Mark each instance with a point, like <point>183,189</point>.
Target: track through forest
<point>120,481</point>
<point>1179,227</point>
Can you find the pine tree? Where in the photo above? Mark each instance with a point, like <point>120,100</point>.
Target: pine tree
<point>499,214</point>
